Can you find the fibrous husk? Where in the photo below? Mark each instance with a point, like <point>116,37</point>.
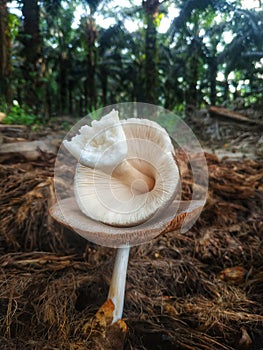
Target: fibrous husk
<point>200,290</point>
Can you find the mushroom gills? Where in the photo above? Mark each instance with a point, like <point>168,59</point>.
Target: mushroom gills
<point>137,180</point>
<point>113,198</point>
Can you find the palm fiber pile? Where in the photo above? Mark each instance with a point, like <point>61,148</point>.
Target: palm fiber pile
<point>202,290</point>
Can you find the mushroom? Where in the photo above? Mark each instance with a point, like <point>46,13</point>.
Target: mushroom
<point>126,170</point>
<point>125,187</point>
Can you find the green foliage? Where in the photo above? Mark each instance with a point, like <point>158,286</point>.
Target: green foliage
<point>85,65</point>
<point>13,23</point>
<point>19,115</point>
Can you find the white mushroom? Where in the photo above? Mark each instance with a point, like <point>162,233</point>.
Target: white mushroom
<point>126,176</point>
<point>126,170</point>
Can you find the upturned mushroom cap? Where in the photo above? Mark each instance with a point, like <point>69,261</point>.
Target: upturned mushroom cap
<point>108,199</point>
<point>109,207</point>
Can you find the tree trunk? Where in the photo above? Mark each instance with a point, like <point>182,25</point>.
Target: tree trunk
<point>5,55</point>
<point>191,93</point>
<point>226,86</point>
<point>71,105</point>
<point>32,52</point>
<point>91,61</point>
<point>213,74</point>
<point>63,86</point>
<point>104,86</point>
<point>151,9</point>
<point>48,99</point>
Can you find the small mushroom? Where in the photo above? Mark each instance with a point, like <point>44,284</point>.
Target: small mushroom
<point>125,186</point>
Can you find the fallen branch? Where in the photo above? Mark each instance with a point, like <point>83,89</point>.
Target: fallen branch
<point>31,150</point>
<point>12,126</point>
<point>228,115</point>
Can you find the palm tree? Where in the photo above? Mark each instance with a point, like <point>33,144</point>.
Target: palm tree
<point>32,52</point>
<point>245,49</point>
<point>90,35</point>
<point>191,44</point>
<point>151,10</point>
<point>5,55</point>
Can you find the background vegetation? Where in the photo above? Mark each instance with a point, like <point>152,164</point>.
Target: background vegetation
<point>54,63</point>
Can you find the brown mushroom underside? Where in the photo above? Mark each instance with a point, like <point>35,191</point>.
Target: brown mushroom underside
<point>178,215</point>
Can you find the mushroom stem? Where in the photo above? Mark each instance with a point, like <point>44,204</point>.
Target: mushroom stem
<point>129,175</point>
<point>118,281</point>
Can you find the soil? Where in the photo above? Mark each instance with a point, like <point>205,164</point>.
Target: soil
<point>201,290</point>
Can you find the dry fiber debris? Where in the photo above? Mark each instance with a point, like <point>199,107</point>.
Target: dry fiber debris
<point>201,290</point>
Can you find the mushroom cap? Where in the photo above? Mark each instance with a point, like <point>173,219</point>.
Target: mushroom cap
<point>176,216</point>
<point>104,198</point>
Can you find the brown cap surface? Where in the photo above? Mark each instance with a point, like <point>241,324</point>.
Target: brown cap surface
<point>174,217</point>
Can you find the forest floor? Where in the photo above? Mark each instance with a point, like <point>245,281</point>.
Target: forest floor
<point>226,138</point>
<point>201,290</point>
